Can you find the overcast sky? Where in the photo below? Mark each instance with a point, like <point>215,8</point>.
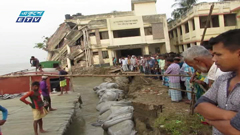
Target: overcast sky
<point>17,39</point>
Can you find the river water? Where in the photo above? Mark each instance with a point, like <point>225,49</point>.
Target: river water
<point>8,68</point>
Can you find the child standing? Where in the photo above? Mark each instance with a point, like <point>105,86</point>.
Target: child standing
<point>37,107</point>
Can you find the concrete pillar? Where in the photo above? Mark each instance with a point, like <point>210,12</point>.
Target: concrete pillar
<point>68,60</point>
<point>180,48</point>
<point>183,29</point>
<point>166,35</point>
<point>221,22</point>
<point>110,33</point>
<point>198,43</point>
<point>190,25</point>
<point>178,33</point>
<point>197,28</point>
<point>142,32</point>
<point>110,57</point>
<point>185,47</point>
<point>146,50</point>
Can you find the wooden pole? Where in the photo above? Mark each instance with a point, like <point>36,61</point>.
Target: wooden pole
<point>206,26</point>
<point>30,83</point>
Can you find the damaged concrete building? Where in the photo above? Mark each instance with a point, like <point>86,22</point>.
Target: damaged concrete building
<point>187,30</point>
<point>96,39</point>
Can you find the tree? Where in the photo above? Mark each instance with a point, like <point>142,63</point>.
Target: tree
<point>182,7</point>
<point>43,46</point>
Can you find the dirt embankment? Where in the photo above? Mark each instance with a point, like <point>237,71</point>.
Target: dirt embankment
<point>155,114</point>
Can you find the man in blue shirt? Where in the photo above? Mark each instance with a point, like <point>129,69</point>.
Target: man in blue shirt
<point>4,116</point>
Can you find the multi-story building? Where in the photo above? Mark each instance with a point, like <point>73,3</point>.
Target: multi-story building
<point>117,34</point>
<point>187,30</point>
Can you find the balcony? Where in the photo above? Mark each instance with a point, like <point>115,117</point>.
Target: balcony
<point>127,41</point>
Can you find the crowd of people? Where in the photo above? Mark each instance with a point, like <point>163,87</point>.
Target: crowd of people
<point>162,64</point>
<point>211,71</point>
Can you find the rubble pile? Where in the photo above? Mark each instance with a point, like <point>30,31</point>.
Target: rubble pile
<point>78,69</point>
<point>115,113</point>
<point>11,96</point>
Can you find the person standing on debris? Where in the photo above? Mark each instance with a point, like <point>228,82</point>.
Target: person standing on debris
<point>220,104</point>
<point>46,94</point>
<point>125,64</point>
<point>174,81</point>
<point>37,107</point>
<point>114,61</point>
<point>133,64</point>
<point>34,62</point>
<point>63,81</point>
<point>162,64</point>
<point>4,116</point>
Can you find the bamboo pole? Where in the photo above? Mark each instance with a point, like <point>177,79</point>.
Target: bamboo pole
<point>206,26</point>
<point>88,75</point>
<point>192,101</point>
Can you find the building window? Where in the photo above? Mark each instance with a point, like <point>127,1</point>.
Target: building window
<point>195,43</point>
<point>193,24</point>
<point>104,35</point>
<point>182,47</point>
<point>186,28</point>
<point>148,31</point>
<point>126,33</point>
<point>214,22</point>
<point>171,34</point>
<point>180,30</point>
<point>105,54</point>
<point>95,53</point>
<point>188,45</point>
<point>92,34</point>
<point>230,20</point>
<point>176,32</point>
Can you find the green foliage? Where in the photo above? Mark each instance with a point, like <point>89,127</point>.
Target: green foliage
<point>182,7</point>
<point>40,45</point>
<point>181,124</point>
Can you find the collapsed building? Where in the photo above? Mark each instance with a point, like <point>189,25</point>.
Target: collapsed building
<point>96,39</point>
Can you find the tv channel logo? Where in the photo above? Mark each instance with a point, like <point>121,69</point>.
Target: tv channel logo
<point>30,17</point>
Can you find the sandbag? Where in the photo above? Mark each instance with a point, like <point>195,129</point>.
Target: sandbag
<point>123,128</point>
<point>112,85</point>
<point>106,106</point>
<point>117,120</point>
<point>104,116</point>
<point>100,105</point>
<point>109,96</point>
<point>102,91</point>
<point>106,85</point>
<point>119,110</point>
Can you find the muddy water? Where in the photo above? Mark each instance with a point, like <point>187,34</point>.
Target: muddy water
<point>88,114</point>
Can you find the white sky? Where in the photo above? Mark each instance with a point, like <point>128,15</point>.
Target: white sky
<point>17,39</point>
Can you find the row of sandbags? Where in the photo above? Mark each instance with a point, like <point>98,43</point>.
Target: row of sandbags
<point>115,113</point>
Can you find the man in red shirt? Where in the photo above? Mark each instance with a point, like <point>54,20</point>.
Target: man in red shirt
<point>37,107</point>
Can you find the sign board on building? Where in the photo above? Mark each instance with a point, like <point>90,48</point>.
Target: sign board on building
<point>125,23</point>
